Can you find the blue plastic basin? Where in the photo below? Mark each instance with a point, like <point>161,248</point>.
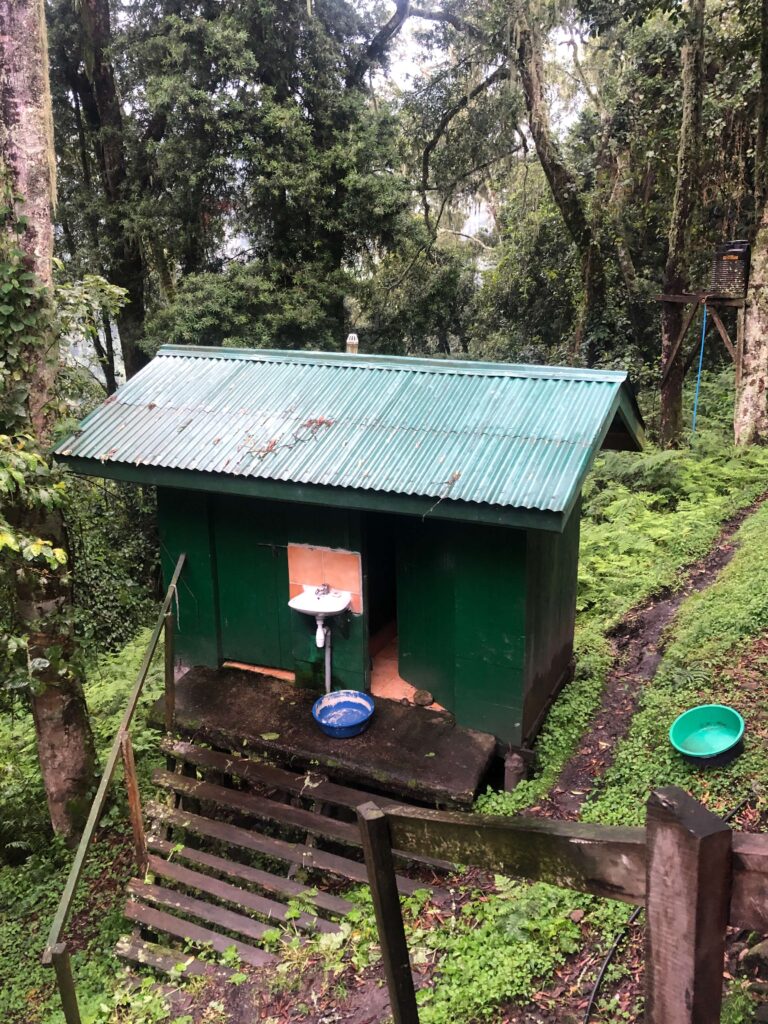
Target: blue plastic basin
<point>343,713</point>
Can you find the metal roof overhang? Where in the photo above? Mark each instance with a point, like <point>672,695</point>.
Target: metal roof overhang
<point>622,430</point>
<point>314,494</point>
<point>621,427</point>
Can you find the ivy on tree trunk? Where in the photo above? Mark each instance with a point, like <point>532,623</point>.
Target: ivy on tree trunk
<point>43,597</point>
<point>750,420</point>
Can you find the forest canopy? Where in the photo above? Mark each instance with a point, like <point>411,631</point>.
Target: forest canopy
<point>495,180</point>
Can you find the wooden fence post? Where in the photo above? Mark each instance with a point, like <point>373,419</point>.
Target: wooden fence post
<point>687,903</point>
<point>377,847</point>
<point>65,983</point>
<point>170,673</point>
<point>134,802</point>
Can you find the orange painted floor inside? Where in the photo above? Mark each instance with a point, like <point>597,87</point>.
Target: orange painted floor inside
<point>386,681</point>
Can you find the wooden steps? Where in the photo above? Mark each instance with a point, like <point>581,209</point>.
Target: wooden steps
<point>166,960</point>
<point>179,928</point>
<point>309,786</point>
<point>267,809</point>
<point>245,873</point>
<point>279,849</point>
<point>258,807</point>
<point>215,883</point>
<point>224,892</point>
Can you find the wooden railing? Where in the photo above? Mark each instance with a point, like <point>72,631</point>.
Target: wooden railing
<point>693,875</point>
<point>56,953</point>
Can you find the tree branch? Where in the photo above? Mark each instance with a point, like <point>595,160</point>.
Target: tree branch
<point>463,234</point>
<point>460,24</point>
<point>378,45</point>
<point>498,75</point>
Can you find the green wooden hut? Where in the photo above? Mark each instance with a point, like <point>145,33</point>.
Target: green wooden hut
<point>443,495</point>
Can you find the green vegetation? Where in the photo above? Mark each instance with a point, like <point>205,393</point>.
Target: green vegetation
<point>30,890</point>
<point>699,667</point>
<point>646,517</point>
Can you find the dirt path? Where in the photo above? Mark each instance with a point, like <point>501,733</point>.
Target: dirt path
<point>639,648</point>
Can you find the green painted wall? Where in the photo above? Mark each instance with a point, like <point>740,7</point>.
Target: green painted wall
<point>461,620</point>
<point>184,525</point>
<point>485,614</point>
<point>553,567</point>
<point>234,593</point>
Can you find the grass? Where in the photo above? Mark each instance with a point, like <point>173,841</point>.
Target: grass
<point>29,892</point>
<point>712,628</point>
<point>645,517</point>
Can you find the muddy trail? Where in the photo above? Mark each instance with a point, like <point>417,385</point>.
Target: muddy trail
<point>638,644</point>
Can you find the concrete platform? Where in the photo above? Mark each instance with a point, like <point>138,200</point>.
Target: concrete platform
<point>411,752</point>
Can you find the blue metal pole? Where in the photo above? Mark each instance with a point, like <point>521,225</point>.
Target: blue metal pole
<point>701,362</point>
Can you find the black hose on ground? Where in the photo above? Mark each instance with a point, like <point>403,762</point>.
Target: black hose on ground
<point>621,934</point>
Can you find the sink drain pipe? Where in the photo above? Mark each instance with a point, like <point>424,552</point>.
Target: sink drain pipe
<point>621,934</point>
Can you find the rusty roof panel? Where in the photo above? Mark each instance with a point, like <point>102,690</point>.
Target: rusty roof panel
<point>490,433</point>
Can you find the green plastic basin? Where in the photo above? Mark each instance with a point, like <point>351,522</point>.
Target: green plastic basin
<point>706,731</point>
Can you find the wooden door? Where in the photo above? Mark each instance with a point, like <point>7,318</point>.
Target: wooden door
<point>252,588</point>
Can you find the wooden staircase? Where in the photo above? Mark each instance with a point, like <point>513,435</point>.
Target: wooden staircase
<point>223,855</point>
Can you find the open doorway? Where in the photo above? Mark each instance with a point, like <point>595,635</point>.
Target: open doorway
<point>381,533</point>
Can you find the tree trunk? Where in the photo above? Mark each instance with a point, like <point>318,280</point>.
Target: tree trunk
<point>64,739</point>
<point>566,189</point>
<point>750,419</point>
<point>128,268</point>
<point>683,205</point>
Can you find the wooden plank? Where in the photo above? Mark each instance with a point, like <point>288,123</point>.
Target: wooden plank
<point>167,961</point>
<point>228,893</point>
<point>597,859</point>
<point>749,893</point>
<point>309,785</point>
<point>65,983</point>
<point>377,846</point>
<point>722,331</point>
<point>688,895</point>
<point>280,849</point>
<point>258,806</point>
<point>686,297</point>
<point>134,803</point>
<point>100,799</point>
<point>170,672</point>
<point>160,921</point>
<point>270,810</point>
<point>210,913</point>
<point>255,876</point>
<point>679,341</point>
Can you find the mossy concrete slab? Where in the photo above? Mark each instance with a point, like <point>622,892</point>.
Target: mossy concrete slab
<point>408,751</point>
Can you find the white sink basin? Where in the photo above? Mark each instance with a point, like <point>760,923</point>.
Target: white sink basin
<point>319,602</point>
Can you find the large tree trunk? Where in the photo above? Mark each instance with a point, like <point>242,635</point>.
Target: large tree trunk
<point>750,420</point>
<point>566,189</point>
<point>676,270</point>
<point>128,267</point>
<point>64,740</point>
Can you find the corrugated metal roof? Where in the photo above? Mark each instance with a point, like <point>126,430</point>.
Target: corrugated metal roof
<point>491,433</point>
